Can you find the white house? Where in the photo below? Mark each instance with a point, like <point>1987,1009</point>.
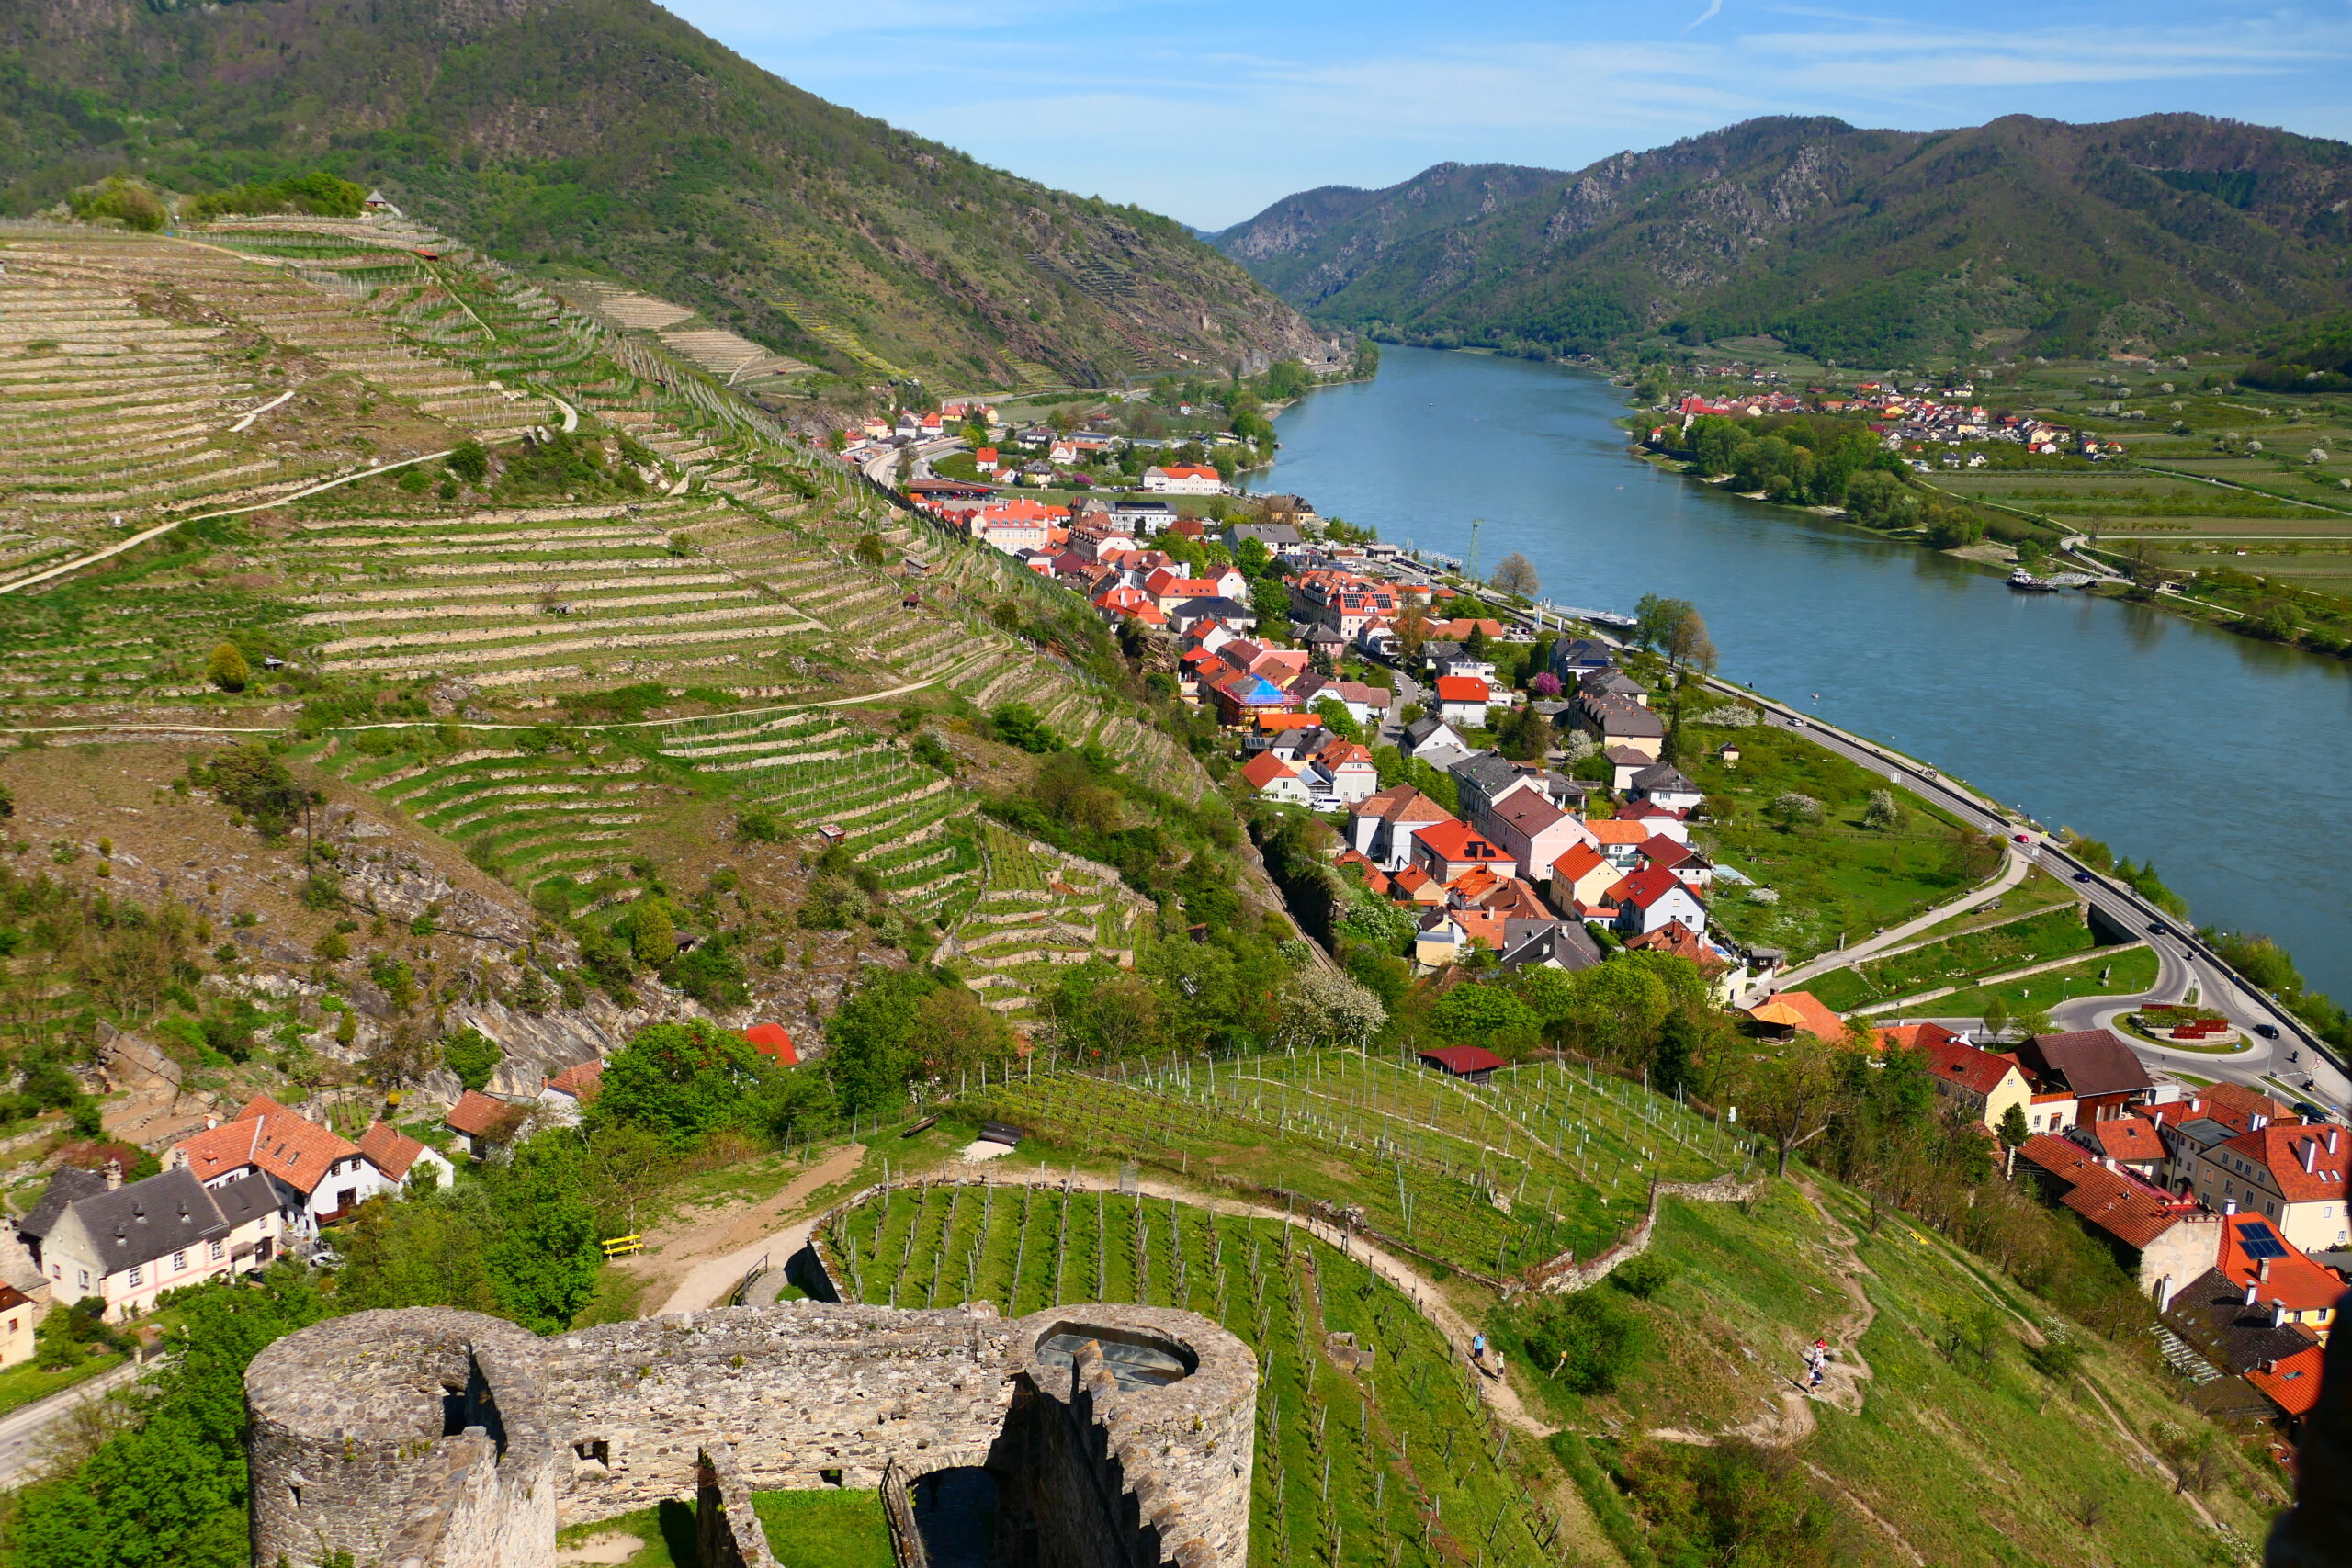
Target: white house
<point>1275,779</point>
<point>92,1235</point>
<point>402,1160</point>
<point>1344,769</point>
<point>1196,480</point>
<point>319,1176</point>
<point>1463,700</point>
<point>1663,785</point>
<point>1652,898</point>
<point>565,1094</point>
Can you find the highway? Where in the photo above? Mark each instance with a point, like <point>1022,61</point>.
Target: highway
<point>2296,1059</point>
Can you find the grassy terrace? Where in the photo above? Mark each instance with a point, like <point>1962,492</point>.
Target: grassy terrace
<point>2121,972</point>
<point>1957,959</point>
<point>1397,1464</point>
<point>1486,1178</point>
<point>1834,876</point>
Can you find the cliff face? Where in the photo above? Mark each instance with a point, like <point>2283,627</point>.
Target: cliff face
<point>610,133</point>
<point>2166,230</point>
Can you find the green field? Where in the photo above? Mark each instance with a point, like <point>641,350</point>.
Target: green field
<point>1545,1160</point>
<point>2127,971</point>
<point>827,1529</point>
<point>1835,877</point>
<point>1955,959</point>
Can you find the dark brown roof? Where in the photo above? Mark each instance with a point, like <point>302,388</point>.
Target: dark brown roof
<point>2212,1314</point>
<point>2088,1062</point>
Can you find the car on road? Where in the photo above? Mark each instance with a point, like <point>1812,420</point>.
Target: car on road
<point>2267,1031</point>
<point>2082,876</point>
<point>2157,928</point>
<point>2023,838</point>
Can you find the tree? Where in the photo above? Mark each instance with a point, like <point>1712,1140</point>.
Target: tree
<point>472,1056</point>
<point>2196,1453</point>
<point>469,461</point>
<point>2013,1128</point>
<point>1996,1015</point>
<point>1881,812</point>
<point>545,1262</point>
<point>227,667</point>
<point>1337,719</point>
<point>873,1039</point>
<point>959,1035</point>
<point>1618,1009</point>
<point>1477,1014</point>
<point>1319,1007</point>
<point>652,933</point>
<point>1686,643</point>
<point>1791,1093</point>
<point>1656,617</point>
<point>1877,499</point>
<point>1792,809</point>
<point>1524,735</point>
<point>680,1080</point>
<point>870,551</point>
<point>1515,575</point>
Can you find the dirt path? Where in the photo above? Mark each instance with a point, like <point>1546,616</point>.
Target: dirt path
<point>702,1256</point>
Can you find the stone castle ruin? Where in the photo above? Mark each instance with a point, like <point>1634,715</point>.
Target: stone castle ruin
<point>1116,1436</point>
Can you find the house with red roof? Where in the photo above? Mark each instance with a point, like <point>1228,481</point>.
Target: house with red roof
<point>1579,884</point>
<point>567,1094</point>
<point>319,1176</point>
<point>1270,777</point>
<point>1381,826</point>
<point>1987,1084</point>
<point>1472,1062</point>
<point>2131,1143</point>
<point>2162,1239</point>
<point>2291,1173</point>
<point>1345,770</point>
<point>1648,899</point>
<point>1445,850</point>
<point>1463,700</point>
<point>486,1123</point>
<point>2291,1383</point>
<point>403,1160</point>
<point>1178,478</point>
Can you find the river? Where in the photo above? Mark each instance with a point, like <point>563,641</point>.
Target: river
<point>2227,761</point>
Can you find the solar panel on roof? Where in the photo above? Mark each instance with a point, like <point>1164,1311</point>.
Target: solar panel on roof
<point>2255,1240</point>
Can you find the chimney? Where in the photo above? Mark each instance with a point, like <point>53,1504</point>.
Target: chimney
<point>2331,1139</point>
<point>2311,1154</point>
<point>2229,1207</point>
<point>2258,1122</point>
<point>2163,1294</point>
<point>114,1174</point>
<point>2249,1292</point>
<point>2277,1315</point>
<point>2262,1270</point>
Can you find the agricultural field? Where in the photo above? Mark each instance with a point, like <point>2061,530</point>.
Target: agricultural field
<point>1482,1180</point>
<point>1957,960</point>
<point>1395,1464</point>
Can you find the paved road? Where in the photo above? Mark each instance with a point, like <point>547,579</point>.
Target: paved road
<point>21,1430</point>
<point>2296,1058</point>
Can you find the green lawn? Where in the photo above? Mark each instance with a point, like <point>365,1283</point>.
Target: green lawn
<point>825,1529</point>
<point>1834,876</point>
<point>27,1381</point>
<point>666,1533</point>
<point>2053,934</point>
<point>2127,971</point>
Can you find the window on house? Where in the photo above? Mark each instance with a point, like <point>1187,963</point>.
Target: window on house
<point>84,1280</point>
<point>179,1262</point>
<point>138,1274</point>
<point>595,1450</point>
<point>218,1249</point>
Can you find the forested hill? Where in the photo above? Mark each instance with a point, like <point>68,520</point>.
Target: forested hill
<point>610,132</point>
<point>2023,235</point>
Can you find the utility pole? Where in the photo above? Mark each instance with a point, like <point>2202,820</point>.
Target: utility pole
<point>1470,566</point>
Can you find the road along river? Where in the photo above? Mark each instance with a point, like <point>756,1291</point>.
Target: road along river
<point>2225,761</point>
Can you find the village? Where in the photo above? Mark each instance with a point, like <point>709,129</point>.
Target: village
<point>1357,684</point>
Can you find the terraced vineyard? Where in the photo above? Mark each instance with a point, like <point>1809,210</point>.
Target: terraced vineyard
<point>270,380</point>
<point>1387,1459</point>
<point>1486,1178</point>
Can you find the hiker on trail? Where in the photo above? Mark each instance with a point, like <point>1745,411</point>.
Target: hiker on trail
<point>1477,1346</point>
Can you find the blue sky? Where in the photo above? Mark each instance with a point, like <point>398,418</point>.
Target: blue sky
<point>1207,110</point>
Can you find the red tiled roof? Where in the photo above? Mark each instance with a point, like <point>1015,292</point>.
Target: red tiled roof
<point>1461,689</point>
<point>479,1115</point>
<point>2291,1383</point>
<point>1663,852</point>
<point>579,1081</point>
<point>2132,1212</point>
<point>1610,830</point>
<point>1978,1071</point>
<point>2127,1139</point>
<point>1913,1036</point>
<point>1464,1058</point>
<point>268,1137</point>
<point>2061,1157</point>
<point>773,1039</point>
<point>1402,802</point>
<point>389,1150</point>
<point>2293,1278</point>
<point>1649,886</point>
<point>1450,841</point>
<point>2281,1149</point>
<point>1264,769</point>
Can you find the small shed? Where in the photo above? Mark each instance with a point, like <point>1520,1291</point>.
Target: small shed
<point>1474,1063</point>
<point>832,834</point>
<point>773,1039</point>
<point>1729,752</point>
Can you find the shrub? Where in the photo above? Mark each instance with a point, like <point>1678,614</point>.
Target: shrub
<point>227,667</point>
<point>1589,1341</point>
<point>1645,1276</point>
<point>469,460</point>
<point>472,1056</point>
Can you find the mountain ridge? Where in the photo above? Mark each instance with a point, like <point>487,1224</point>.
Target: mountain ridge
<point>612,135</point>
<point>2166,230</point>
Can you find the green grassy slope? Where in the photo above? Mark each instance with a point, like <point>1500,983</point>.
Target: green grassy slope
<point>1852,245</point>
<point>610,133</point>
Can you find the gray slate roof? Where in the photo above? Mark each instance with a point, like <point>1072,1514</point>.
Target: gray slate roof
<point>1664,778</point>
<point>147,1219</point>
<point>70,1184</point>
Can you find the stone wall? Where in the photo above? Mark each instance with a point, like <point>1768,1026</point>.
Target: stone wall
<point>432,1438</point>
<point>1564,1276</point>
